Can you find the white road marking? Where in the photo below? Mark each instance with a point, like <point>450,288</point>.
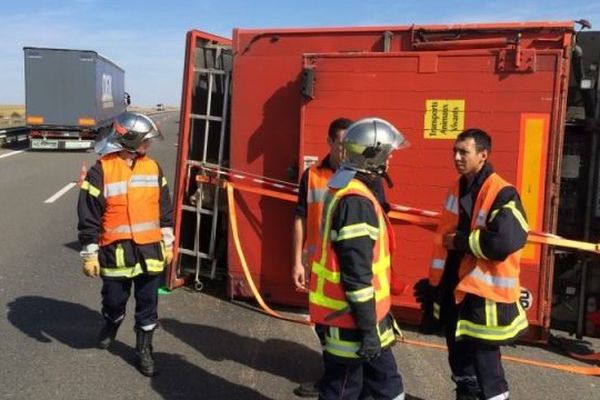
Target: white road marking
<point>62,191</point>
<point>12,153</point>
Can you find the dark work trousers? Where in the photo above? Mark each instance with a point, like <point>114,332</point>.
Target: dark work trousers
<point>476,366</point>
<point>115,293</point>
<point>345,381</point>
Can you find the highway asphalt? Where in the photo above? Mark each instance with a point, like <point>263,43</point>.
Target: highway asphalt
<point>207,348</point>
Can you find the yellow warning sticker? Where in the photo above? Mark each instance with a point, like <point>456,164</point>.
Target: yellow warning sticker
<point>444,119</point>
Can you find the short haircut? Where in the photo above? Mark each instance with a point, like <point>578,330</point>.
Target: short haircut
<point>337,125</point>
<point>483,141</point>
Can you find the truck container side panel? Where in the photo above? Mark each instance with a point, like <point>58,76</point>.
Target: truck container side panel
<point>265,121</point>
<point>109,90</point>
<point>427,165</point>
<point>59,85</point>
<point>477,87</point>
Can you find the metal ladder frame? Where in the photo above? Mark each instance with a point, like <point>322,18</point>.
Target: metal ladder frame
<point>208,118</point>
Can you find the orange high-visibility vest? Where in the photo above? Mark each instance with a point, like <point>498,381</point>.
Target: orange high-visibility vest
<point>132,200</point>
<point>490,279</point>
<point>317,189</point>
<point>327,298</point>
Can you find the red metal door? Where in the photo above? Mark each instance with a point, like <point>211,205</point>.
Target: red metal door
<point>431,97</point>
<point>203,125</point>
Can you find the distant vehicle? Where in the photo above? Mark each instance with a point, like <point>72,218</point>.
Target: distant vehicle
<point>70,95</point>
<point>160,107</point>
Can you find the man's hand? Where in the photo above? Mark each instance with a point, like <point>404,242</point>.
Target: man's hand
<point>91,266</point>
<point>299,276</point>
<point>448,241</point>
<point>370,346</point>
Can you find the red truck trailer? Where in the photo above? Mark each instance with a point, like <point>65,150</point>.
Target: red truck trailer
<point>258,106</point>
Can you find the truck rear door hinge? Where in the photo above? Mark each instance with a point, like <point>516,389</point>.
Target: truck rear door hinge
<point>516,60</point>
<point>308,83</point>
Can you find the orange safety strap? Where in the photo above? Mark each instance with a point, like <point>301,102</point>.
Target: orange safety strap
<point>264,192</point>
<point>555,240</point>
<point>429,220</point>
<point>426,221</point>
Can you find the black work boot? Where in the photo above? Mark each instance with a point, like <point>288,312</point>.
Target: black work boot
<point>108,334</point>
<point>143,351</point>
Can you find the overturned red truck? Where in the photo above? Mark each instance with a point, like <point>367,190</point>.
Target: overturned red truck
<point>256,108</point>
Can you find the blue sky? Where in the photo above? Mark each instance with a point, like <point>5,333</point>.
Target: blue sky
<point>147,38</point>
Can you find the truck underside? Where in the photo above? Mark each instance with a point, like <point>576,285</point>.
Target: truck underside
<point>63,138</point>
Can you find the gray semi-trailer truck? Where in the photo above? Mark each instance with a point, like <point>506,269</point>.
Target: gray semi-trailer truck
<point>70,96</point>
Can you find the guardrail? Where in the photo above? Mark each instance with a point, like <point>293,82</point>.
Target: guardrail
<point>14,134</point>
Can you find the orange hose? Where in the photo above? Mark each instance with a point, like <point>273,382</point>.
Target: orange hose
<point>575,369</point>
<point>238,247</point>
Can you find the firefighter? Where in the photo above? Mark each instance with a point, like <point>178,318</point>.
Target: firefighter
<point>307,221</point>
<point>349,285</point>
<point>473,287</point>
<point>313,184</point>
<point>126,230</point>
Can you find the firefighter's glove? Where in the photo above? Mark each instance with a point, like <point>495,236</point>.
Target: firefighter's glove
<point>168,238</point>
<point>424,293</point>
<point>365,315</point>
<point>91,266</point>
<point>168,254</point>
<point>370,345</point>
<point>89,257</point>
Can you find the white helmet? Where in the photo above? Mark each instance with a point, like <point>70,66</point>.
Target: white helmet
<point>366,147</point>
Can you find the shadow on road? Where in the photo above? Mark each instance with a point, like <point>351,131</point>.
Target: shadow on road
<point>44,319</point>
<point>74,245</point>
<point>179,379</point>
<point>290,360</point>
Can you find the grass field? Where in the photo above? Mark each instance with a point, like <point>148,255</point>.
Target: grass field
<point>11,115</point>
<point>11,110</point>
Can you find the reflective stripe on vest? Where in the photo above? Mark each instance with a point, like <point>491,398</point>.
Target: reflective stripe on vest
<point>328,302</point>
<point>134,228</point>
<point>132,196</point>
